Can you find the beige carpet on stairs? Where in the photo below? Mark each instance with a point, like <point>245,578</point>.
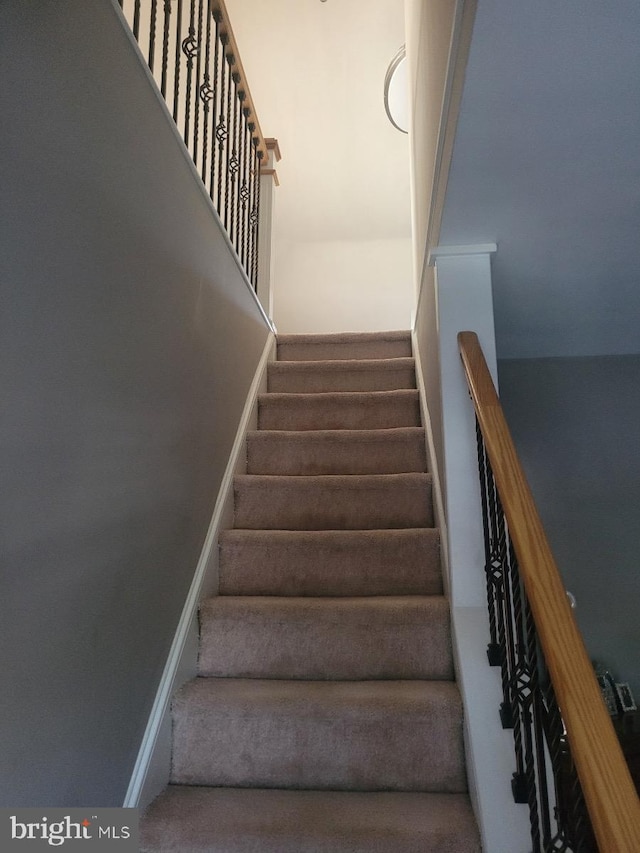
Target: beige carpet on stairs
<point>325,717</point>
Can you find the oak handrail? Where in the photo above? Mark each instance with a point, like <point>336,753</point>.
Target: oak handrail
<point>232,50</point>
<point>609,792</point>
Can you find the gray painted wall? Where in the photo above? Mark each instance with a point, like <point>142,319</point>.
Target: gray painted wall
<point>545,164</point>
<point>128,341</point>
<point>575,422</point>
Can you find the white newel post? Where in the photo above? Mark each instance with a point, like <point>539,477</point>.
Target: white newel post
<point>464,302</point>
<point>268,183</point>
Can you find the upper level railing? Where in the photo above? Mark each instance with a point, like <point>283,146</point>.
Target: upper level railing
<point>570,769</point>
<point>192,53</point>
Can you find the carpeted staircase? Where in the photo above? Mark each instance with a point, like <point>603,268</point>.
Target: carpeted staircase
<point>325,718</point>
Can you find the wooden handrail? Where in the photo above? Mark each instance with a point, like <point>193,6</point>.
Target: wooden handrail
<point>232,50</point>
<point>610,795</point>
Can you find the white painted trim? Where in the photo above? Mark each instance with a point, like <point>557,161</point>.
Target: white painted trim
<point>188,158</point>
<point>459,46</point>
<point>438,502</point>
<point>180,645</point>
<point>449,251</point>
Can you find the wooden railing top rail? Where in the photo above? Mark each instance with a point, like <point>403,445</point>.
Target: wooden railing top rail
<point>610,795</point>
<point>218,6</point>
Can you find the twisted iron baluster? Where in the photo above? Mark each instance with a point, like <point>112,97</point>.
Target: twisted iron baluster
<point>136,20</point>
<point>244,189</point>
<point>234,163</point>
<point>190,48</point>
<point>231,60</point>
<point>216,96</point>
<point>221,129</point>
<point>165,46</point>
<point>206,94</point>
<point>196,100</point>
<point>178,61</point>
<point>256,232</point>
<point>152,33</point>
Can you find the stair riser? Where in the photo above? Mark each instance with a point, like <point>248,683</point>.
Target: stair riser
<point>333,503</point>
<point>237,820</point>
<point>317,377</point>
<point>330,563</point>
<point>328,738</point>
<point>295,348</point>
<point>338,411</point>
<point>336,452</point>
<point>325,639</point>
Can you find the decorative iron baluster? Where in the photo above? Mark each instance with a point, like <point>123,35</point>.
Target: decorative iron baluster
<point>165,46</point>
<point>234,163</point>
<point>256,227</point>
<point>136,20</point>
<point>558,819</point>
<point>494,651</point>
<point>221,128</point>
<point>190,48</point>
<point>206,95</point>
<point>211,105</point>
<point>244,189</point>
<point>196,104</point>
<point>178,61</point>
<point>230,102</point>
<point>253,201</point>
<point>152,33</point>
<point>216,95</point>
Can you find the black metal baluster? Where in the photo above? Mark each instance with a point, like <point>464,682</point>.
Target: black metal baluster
<point>221,128</point>
<point>231,61</point>
<point>206,94</point>
<point>214,108</point>
<point>239,205</point>
<point>234,163</point>
<point>178,61</point>
<point>500,582</point>
<point>152,33</point>
<point>256,230</point>
<point>493,650</point>
<point>136,20</point>
<point>253,172</point>
<point>244,189</point>
<point>196,103</point>
<point>165,46</point>
<point>190,49</point>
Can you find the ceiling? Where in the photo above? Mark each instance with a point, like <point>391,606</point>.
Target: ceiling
<point>547,164</point>
<point>316,72</point>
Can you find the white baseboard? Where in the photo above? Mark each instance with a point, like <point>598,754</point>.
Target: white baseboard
<point>432,461</point>
<point>152,768</point>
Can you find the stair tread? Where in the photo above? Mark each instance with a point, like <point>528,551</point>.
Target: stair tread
<point>336,735</point>
<point>335,365</point>
<point>240,820</point>
<point>330,562</point>
<point>333,501</point>
<point>371,374</point>
<point>390,637</point>
<point>337,451</point>
<point>339,409</point>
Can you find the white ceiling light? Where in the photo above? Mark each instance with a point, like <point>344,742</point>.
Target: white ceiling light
<point>396,91</point>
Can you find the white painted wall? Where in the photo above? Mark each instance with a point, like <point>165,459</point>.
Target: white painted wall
<point>347,285</point>
<point>342,216</point>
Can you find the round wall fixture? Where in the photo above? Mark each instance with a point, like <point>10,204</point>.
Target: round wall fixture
<point>396,91</point>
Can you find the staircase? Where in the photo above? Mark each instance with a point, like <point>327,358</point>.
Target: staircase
<point>325,716</point>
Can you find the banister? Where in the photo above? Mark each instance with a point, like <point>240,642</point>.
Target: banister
<point>193,57</point>
<point>219,7</point>
<point>609,792</point>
